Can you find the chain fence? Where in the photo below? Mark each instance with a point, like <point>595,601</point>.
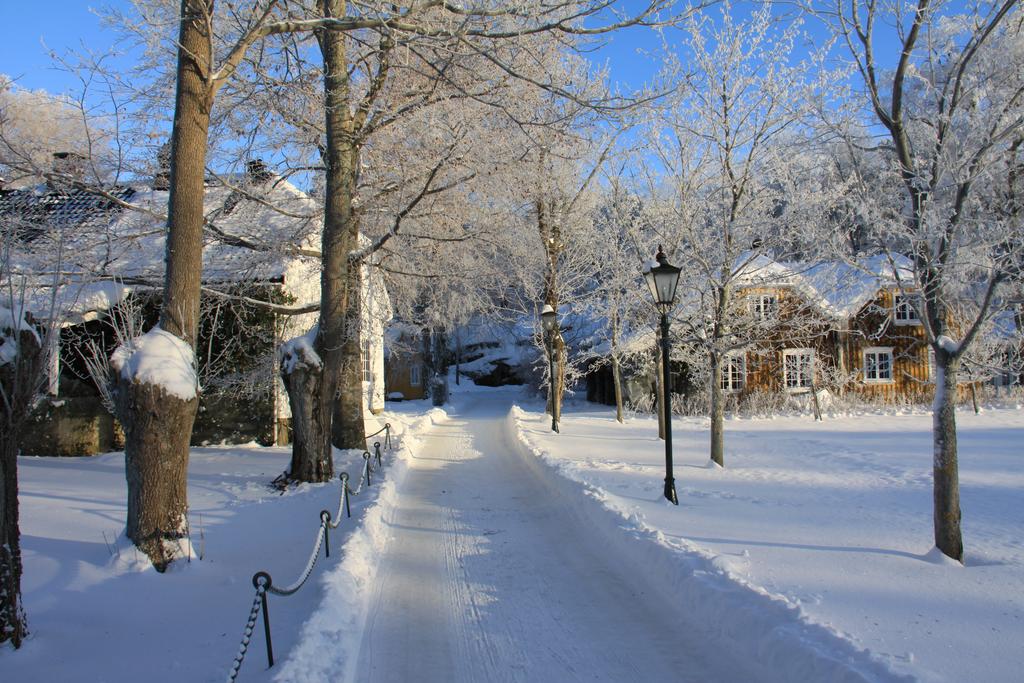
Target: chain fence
<point>264,584</point>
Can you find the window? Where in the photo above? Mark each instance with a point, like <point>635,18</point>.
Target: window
<point>414,375</point>
<point>367,366</point>
<point>878,365</point>
<point>904,311</point>
<point>798,369</point>
<point>734,372</point>
<point>763,306</point>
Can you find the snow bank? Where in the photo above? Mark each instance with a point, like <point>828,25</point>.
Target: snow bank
<point>331,637</point>
<point>161,359</point>
<point>707,590</point>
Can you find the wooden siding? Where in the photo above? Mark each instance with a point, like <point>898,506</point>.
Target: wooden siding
<point>397,376</point>
<point>838,350</point>
<point>874,326</point>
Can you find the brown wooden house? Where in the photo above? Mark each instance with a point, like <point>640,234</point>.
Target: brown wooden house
<point>835,327</point>
<point>405,366</point>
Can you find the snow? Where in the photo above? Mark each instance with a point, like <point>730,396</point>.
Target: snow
<point>98,612</point>
<point>9,323</point>
<point>161,359</point>
<point>947,344</point>
<point>299,352</point>
<point>494,549</point>
<point>819,528</point>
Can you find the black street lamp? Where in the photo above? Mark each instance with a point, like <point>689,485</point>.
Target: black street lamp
<point>549,321</point>
<point>663,279</point>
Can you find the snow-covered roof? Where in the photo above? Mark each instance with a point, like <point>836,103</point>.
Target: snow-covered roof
<point>838,288</point>
<point>842,289</point>
<point>96,252</point>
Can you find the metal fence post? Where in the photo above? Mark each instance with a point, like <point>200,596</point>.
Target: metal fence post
<point>256,582</point>
<point>325,522</point>
<point>344,493</point>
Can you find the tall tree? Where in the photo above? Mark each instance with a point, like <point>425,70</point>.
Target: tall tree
<point>449,54</point>
<point>951,108</point>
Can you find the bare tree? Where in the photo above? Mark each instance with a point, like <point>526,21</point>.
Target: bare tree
<point>951,109</point>
<point>737,182</point>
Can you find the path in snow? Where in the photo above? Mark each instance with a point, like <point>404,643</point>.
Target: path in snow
<point>489,577</point>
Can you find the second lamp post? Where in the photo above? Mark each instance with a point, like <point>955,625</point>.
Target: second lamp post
<point>663,279</point>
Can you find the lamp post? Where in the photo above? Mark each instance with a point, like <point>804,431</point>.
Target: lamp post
<point>549,321</point>
<point>663,279</point>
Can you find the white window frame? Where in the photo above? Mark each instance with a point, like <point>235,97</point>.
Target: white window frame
<point>801,386</point>
<point>734,372</point>
<point>415,375</point>
<point>760,307</point>
<point>878,351</point>
<point>366,358</point>
<point>903,310</point>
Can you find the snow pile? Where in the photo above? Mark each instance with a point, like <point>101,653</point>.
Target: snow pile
<point>10,325</point>
<point>85,302</point>
<point>159,358</point>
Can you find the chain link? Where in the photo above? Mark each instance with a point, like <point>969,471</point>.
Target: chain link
<point>314,556</point>
<point>246,635</point>
<point>325,522</point>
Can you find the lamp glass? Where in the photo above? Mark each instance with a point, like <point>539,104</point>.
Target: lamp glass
<point>662,281</point>
<point>548,319</point>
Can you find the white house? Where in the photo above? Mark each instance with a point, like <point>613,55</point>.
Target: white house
<point>76,256</point>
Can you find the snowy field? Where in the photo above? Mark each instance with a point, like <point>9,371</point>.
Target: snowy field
<point>828,523</point>
<point>809,556</point>
<point>96,613</point>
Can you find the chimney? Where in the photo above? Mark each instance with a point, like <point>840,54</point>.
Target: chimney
<point>162,177</point>
<point>258,172</point>
<point>70,164</point>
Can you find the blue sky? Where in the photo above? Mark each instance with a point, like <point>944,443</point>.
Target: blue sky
<point>31,30</point>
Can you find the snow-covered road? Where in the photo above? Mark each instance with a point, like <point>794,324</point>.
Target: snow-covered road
<point>489,576</point>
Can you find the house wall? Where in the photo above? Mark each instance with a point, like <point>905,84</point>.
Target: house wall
<point>72,426</point>
<point>874,326</point>
<point>840,353</point>
<point>799,326</point>
<point>398,377</point>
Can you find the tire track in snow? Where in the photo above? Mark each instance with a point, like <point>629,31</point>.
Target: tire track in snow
<point>489,577</point>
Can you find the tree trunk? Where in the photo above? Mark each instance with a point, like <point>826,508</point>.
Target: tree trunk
<point>157,426</point>
<point>349,429</point>
<point>616,377</point>
<point>945,470</point>
<point>13,626</point>
<point>156,467</point>
<point>311,444</point>
<point>717,412</point>
<point>337,341</point>
<point>20,378</point>
<point>617,383</point>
